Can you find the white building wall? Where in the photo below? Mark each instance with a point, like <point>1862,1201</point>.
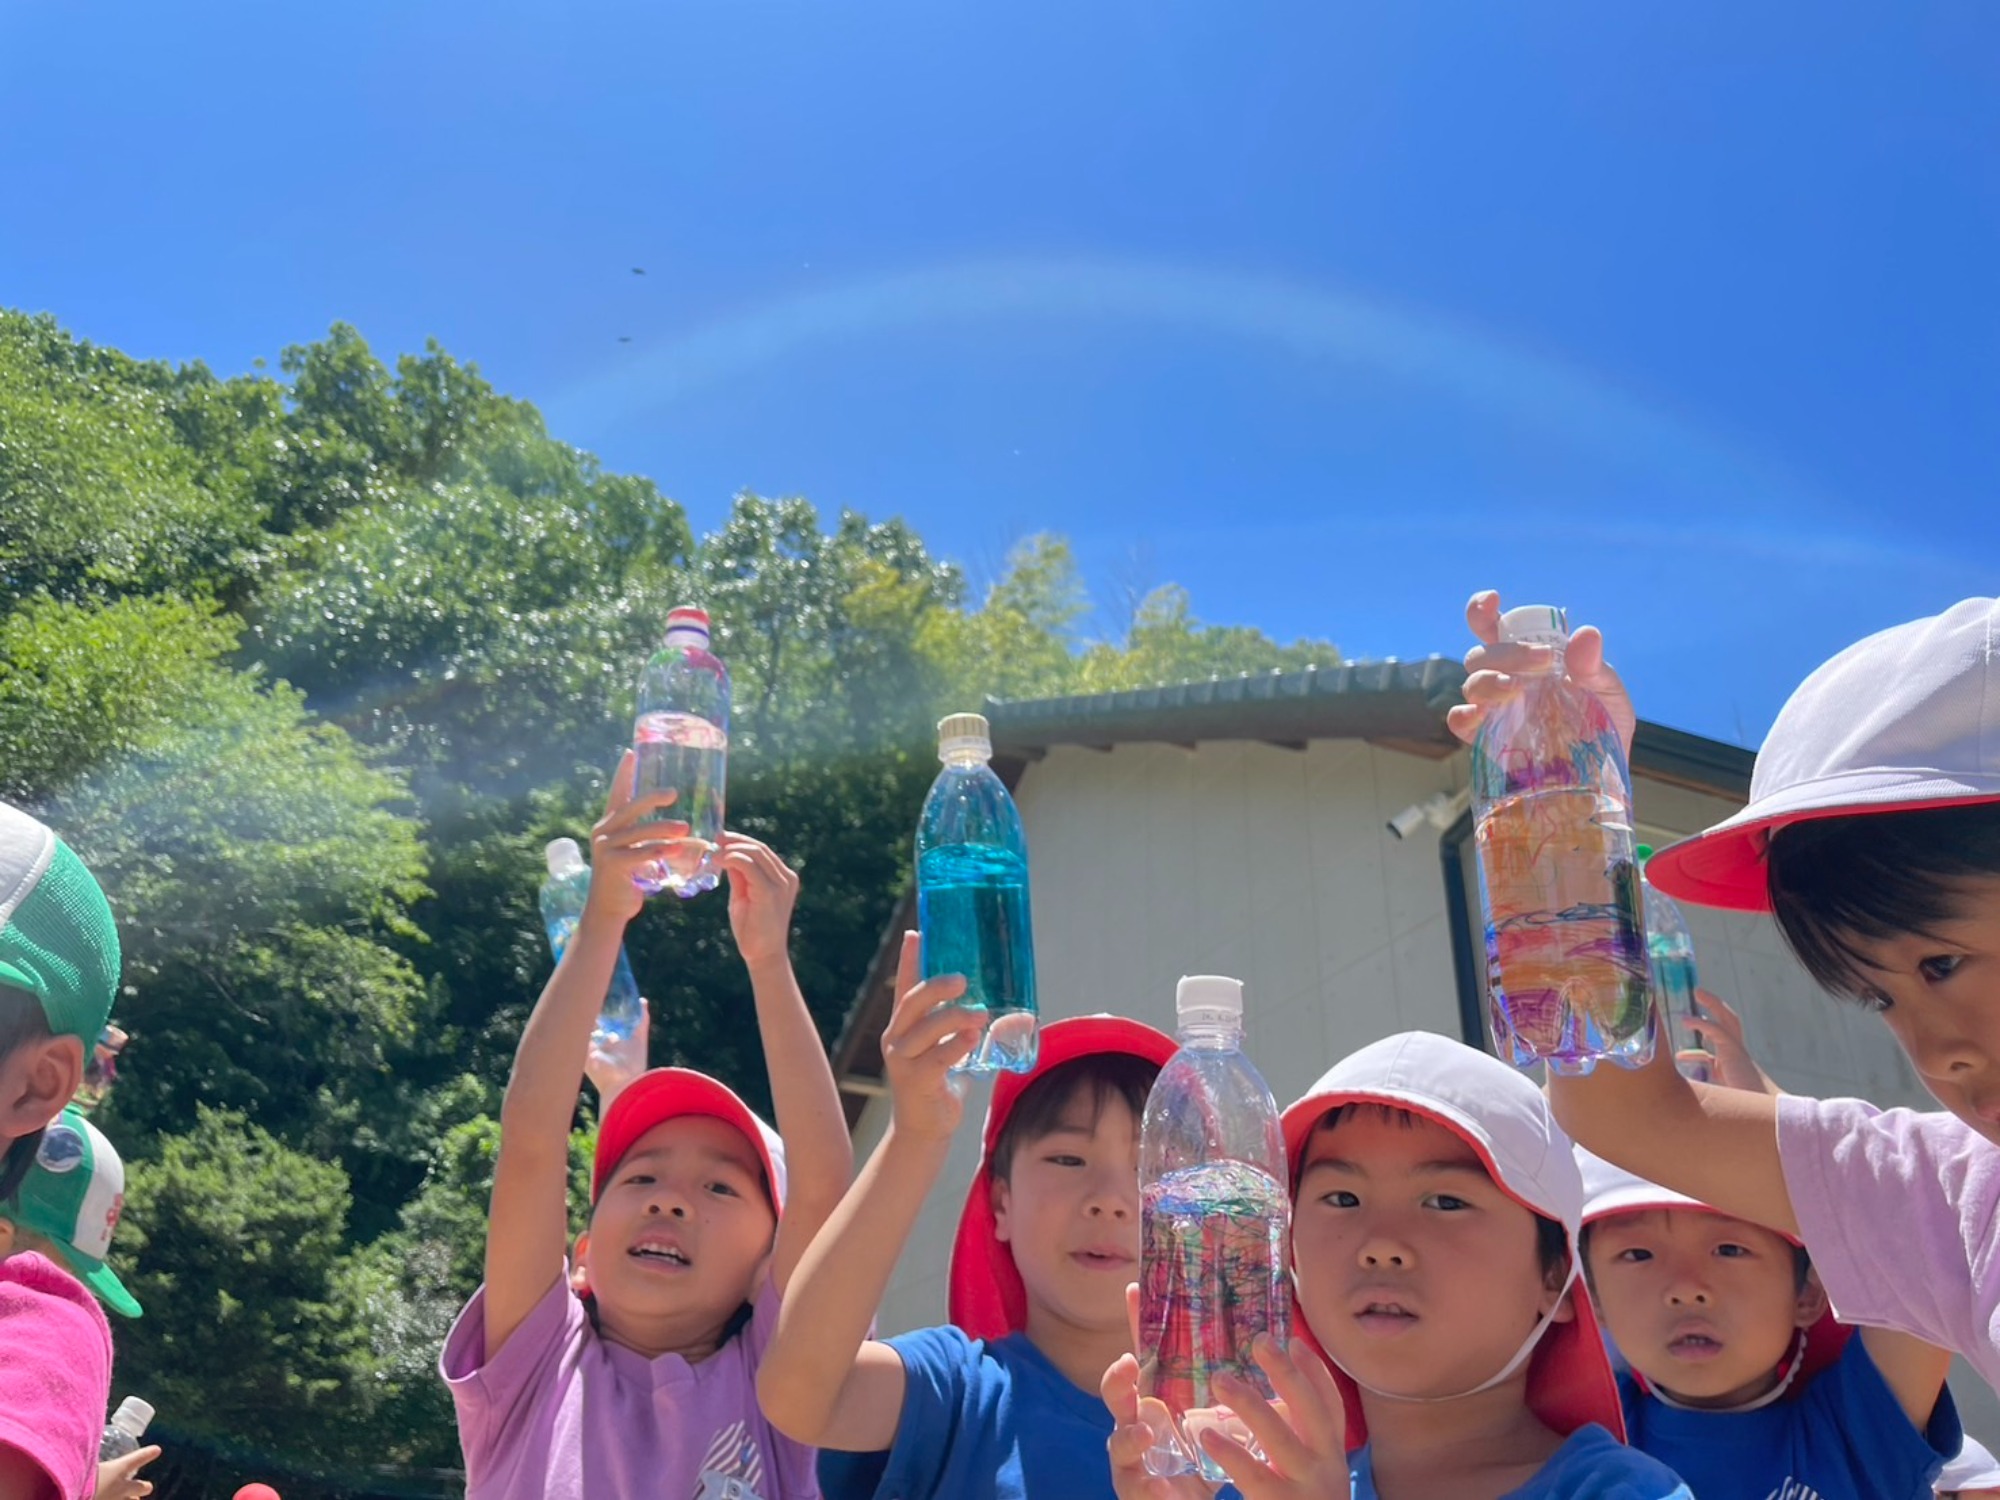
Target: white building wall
<point>1273,865</point>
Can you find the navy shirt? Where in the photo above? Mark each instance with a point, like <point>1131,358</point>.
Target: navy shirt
<point>1590,1465</point>
<point>985,1421</point>
<point>1843,1437</point>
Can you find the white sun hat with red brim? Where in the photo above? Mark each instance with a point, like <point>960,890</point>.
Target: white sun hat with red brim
<point>1907,719</point>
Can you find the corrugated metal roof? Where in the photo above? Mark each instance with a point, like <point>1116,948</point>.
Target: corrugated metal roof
<point>1386,699</point>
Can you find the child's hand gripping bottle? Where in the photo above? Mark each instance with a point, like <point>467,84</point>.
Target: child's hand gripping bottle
<point>1566,955</point>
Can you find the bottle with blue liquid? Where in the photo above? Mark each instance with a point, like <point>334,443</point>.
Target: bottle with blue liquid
<point>1672,948</point>
<point>680,735</point>
<point>563,895</point>
<point>972,895</point>
<point>1567,966</point>
<point>1215,1216</point>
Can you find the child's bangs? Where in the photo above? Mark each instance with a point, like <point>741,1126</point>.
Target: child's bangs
<point>1098,1077</point>
<point>1840,884</point>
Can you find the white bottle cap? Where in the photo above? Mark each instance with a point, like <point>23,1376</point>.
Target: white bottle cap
<point>1209,1000</point>
<point>1535,625</point>
<point>132,1416</point>
<point>564,857</point>
<point>961,735</point>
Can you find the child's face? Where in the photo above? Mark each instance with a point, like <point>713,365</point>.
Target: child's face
<point>682,1225</point>
<point>1418,1275</point>
<point>1070,1211</point>
<point>1704,1306</point>
<point>1940,995</point>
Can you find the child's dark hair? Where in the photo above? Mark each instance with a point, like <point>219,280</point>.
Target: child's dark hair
<point>1838,882</point>
<point>22,1021</point>
<point>1801,1261</point>
<point>1551,1239</point>
<point>1103,1076</point>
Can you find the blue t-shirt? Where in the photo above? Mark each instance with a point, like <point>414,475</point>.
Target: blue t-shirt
<point>1590,1465</point>
<point>1843,1437</point>
<point>984,1421</point>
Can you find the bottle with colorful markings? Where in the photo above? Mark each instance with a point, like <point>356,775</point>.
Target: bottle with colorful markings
<point>1215,1217</point>
<point>563,896</point>
<point>1567,967</point>
<point>1671,947</point>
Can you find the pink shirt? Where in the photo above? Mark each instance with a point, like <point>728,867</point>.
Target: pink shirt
<point>1897,1209</point>
<point>55,1371</point>
<point>562,1413</point>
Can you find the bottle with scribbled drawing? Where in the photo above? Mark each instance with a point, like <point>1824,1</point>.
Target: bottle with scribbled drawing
<point>1568,972</point>
<point>1671,947</point>
<point>1215,1219</point>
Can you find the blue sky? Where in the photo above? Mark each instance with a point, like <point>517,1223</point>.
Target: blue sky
<point>1684,316</point>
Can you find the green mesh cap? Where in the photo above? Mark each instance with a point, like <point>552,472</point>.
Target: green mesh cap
<point>72,1197</point>
<point>57,937</point>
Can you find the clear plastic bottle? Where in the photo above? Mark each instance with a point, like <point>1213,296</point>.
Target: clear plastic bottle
<point>127,1426</point>
<point>563,895</point>
<point>972,895</point>
<point>1552,804</point>
<point>681,734</point>
<point>1215,1227</point>
<point>1672,948</point>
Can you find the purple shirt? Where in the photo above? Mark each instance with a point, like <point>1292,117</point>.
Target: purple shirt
<point>562,1413</point>
<point>1898,1212</point>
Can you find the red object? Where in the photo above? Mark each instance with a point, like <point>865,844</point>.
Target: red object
<point>987,1299</point>
<point>256,1490</point>
<point>666,1094</point>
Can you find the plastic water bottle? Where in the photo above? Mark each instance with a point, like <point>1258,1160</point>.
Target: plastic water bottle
<point>563,895</point>
<point>1672,948</point>
<point>681,734</point>
<point>1215,1227</point>
<point>1566,952</point>
<point>128,1425</point>
<point>972,895</point>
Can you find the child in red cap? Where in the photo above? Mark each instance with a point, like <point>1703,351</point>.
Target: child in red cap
<point>1872,836</point>
<point>1000,1404</point>
<point>647,1386</point>
<point>1436,1213</point>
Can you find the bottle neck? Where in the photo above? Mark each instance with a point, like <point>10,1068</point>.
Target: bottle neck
<point>967,756</point>
<point>682,639</point>
<point>1211,1033</point>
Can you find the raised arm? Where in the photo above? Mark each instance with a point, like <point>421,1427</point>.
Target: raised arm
<point>527,1228</point>
<point>822,1381</point>
<point>819,1155</point>
<point>1713,1143</point>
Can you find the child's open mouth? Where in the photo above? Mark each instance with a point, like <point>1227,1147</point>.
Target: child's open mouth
<point>1694,1346</point>
<point>1385,1317</point>
<point>659,1253</point>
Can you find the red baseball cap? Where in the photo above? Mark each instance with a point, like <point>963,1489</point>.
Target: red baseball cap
<point>987,1298</point>
<point>1906,719</point>
<point>1610,1190</point>
<point>664,1094</point>
<point>1506,1120</point>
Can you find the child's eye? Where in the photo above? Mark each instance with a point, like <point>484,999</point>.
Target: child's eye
<point>1732,1252</point>
<point>1341,1198</point>
<point>1064,1159</point>
<point>1940,967</point>
<point>1634,1255</point>
<point>1877,1002</point>
<point>722,1189</point>
<point>640,1179</point>
<point>1447,1202</point>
